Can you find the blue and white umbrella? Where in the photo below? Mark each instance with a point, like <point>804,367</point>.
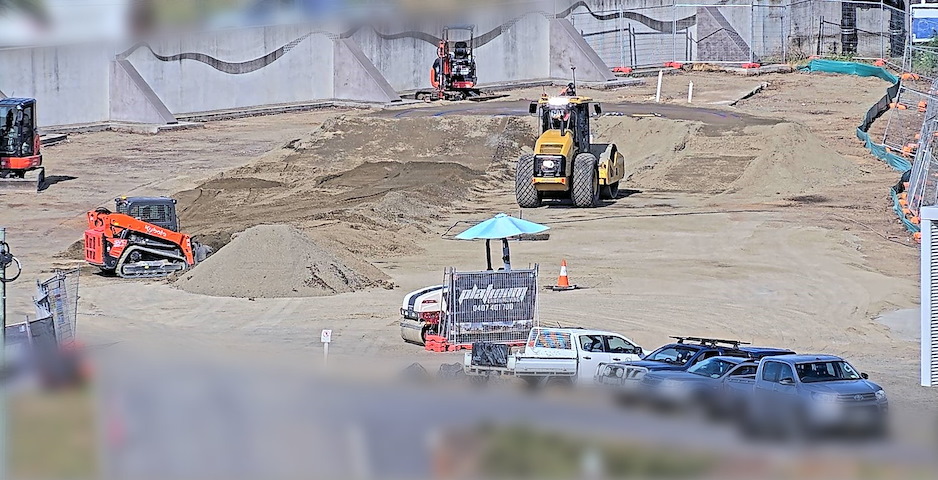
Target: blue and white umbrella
<point>500,227</point>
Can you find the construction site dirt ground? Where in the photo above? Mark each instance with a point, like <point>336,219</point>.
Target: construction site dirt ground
<point>766,222</point>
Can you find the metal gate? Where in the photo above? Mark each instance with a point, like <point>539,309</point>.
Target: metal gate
<point>57,299</point>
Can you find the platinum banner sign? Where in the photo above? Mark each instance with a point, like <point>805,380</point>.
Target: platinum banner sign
<point>496,306</point>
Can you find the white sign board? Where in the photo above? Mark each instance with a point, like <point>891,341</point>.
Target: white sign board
<point>326,336</point>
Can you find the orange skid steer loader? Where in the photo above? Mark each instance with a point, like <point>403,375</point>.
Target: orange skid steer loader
<point>140,240</point>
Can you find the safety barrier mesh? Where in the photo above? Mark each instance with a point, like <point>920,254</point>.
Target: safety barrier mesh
<point>57,300</point>
<point>923,178</point>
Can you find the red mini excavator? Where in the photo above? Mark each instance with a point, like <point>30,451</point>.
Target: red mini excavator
<point>19,143</point>
<point>140,240</point>
<point>453,75</point>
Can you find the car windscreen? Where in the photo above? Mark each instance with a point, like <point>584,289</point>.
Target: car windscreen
<point>675,354</point>
<point>826,371</point>
<point>711,367</point>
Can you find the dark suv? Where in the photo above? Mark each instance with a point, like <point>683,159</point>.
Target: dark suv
<point>679,356</point>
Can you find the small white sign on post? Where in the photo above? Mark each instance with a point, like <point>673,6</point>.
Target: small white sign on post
<point>326,339</point>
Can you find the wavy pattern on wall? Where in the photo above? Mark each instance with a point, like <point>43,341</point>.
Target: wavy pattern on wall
<point>480,40</point>
<point>240,68</point>
<point>657,25</point>
<point>233,68</point>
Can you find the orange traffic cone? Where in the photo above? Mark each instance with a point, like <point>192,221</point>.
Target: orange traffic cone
<point>563,281</point>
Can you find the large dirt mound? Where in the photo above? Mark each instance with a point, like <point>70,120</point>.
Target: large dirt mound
<point>358,174</point>
<point>272,261</point>
<point>759,161</point>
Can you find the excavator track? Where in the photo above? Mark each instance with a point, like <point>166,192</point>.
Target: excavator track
<point>149,268</point>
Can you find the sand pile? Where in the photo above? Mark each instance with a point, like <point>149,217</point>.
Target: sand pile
<point>758,161</point>
<point>272,261</point>
<point>646,141</point>
<point>367,183</point>
<point>790,161</point>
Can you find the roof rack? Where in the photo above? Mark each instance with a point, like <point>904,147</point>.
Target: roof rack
<point>712,342</point>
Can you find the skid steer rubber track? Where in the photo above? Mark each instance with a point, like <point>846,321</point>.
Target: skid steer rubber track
<point>168,265</point>
<point>585,180</point>
<point>525,193</point>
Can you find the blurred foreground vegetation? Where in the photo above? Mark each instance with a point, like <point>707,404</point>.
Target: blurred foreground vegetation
<point>52,435</point>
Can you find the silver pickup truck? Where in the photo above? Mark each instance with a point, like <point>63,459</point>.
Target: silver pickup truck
<point>568,354</point>
<point>809,394</point>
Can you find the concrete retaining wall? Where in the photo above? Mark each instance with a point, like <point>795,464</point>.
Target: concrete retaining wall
<point>237,68</point>
<point>518,49</point>
<point>251,67</point>
<point>71,82</point>
<point>529,46</point>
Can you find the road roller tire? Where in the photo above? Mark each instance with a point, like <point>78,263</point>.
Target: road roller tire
<point>585,180</point>
<point>609,192</point>
<point>525,193</point>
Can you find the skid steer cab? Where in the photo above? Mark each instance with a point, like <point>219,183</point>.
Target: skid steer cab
<point>141,239</point>
<point>20,144</point>
<point>565,163</point>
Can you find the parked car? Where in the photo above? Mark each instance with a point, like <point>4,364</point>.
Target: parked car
<point>679,356</point>
<point>570,355</point>
<point>699,386</point>
<point>806,394</point>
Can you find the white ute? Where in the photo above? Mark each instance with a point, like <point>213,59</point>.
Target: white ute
<point>567,354</point>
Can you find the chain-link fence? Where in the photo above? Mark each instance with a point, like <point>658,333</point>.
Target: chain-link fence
<point>857,30</point>
<point>923,179</point>
<point>921,62</point>
<point>494,306</point>
<point>902,129</point>
<point>57,299</point>
<point>742,31</point>
<point>630,36</point>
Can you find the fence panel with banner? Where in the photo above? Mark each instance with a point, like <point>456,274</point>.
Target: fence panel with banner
<point>491,306</point>
<point>57,300</point>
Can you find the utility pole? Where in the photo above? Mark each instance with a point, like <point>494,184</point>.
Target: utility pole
<point>6,259</point>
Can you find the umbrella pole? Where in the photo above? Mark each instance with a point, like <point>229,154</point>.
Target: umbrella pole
<point>488,254</point>
<point>506,257</point>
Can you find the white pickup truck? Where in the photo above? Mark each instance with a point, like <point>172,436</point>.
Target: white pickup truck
<point>571,354</point>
